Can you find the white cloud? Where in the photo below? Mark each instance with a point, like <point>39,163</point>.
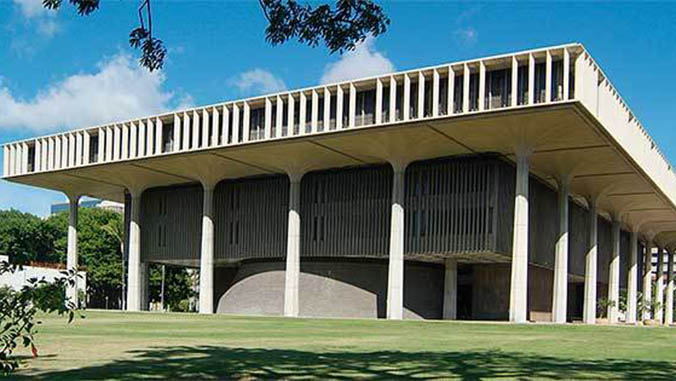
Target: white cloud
<point>467,36</point>
<point>118,90</point>
<point>31,8</point>
<point>258,81</point>
<point>43,19</point>
<point>364,61</point>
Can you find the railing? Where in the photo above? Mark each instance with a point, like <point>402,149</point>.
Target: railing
<point>548,75</point>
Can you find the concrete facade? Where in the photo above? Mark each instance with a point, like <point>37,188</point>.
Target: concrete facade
<point>527,167</point>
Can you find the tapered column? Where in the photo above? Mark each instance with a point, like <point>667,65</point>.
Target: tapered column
<point>647,281</point>
<point>450,289</point>
<point>293,249</point>
<point>134,282</point>
<point>207,255</point>
<point>632,279</point>
<point>71,256</point>
<point>590,269</point>
<point>614,275</point>
<point>560,289</point>
<point>395,277</point>
<point>518,295</point>
<point>669,303</point>
<point>659,287</point>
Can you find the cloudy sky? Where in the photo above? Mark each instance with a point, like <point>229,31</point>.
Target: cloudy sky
<point>59,71</point>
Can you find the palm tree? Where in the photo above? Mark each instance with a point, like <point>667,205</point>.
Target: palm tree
<point>115,228</point>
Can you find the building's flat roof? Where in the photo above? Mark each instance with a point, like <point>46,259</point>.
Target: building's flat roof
<point>590,135</point>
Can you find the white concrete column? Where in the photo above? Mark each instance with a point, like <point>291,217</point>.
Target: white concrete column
<point>515,82</point>
<point>614,274</point>
<point>186,131</point>
<point>226,126</point>
<point>235,123</point>
<point>421,95</point>
<point>379,101</point>
<point>339,109</point>
<point>669,303</point>
<point>117,142</point>
<point>71,256</point>
<point>302,113</point>
<point>435,93</point>
<point>560,289</point>
<point>314,116</point>
<point>177,133</point>
<point>548,77</point>
<point>206,137</point>
<point>395,277</point>
<point>79,148</point>
<point>353,106</point>
<point>465,89</point>
<point>158,136</point>
<point>292,275</point>
<point>124,142</point>
<point>451,91</point>
<point>134,282</point>
<point>393,99</point>
<point>406,103</point>
<point>291,112</point>
<point>659,311</point>
<point>482,86</point>
<point>566,73</point>
<point>279,118</point>
<point>37,166</point>
<point>215,126</point>
<point>5,160</point>
<point>450,289</point>
<point>518,295</point>
<point>590,269</point>
<point>327,111</point>
<point>268,117</point>
<point>531,79</point>
<point>196,128</point>
<point>647,280</point>
<point>207,255</point>
<point>86,143</point>
<point>632,279</point>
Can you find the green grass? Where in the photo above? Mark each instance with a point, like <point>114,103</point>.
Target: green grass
<point>166,346</point>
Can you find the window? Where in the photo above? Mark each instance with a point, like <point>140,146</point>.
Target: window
<point>167,137</point>
<point>427,111</point>
<point>443,96</point>
<point>399,102</point>
<point>498,88</point>
<point>413,101</point>
<point>365,107</point>
<point>458,94</point>
<point>31,159</point>
<point>94,149</point>
<point>474,92</point>
<point>385,109</point>
<point>257,123</point>
<point>320,114</point>
<point>332,113</point>
<point>557,80</point>
<point>540,78</point>
<point>522,85</point>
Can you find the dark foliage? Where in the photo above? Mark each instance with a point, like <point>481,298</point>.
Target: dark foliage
<point>340,27</point>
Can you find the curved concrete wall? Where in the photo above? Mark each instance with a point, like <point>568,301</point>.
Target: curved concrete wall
<point>329,288</point>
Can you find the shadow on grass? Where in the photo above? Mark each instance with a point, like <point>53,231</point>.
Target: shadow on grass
<point>198,362</point>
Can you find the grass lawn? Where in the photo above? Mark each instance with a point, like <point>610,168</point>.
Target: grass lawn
<point>122,346</point>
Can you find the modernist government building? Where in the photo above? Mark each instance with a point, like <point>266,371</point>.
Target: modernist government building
<point>516,187</point>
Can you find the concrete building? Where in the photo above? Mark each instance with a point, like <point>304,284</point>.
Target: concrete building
<point>113,206</point>
<point>19,278</point>
<point>517,187</point>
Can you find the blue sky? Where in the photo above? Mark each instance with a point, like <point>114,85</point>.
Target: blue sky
<point>59,71</point>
